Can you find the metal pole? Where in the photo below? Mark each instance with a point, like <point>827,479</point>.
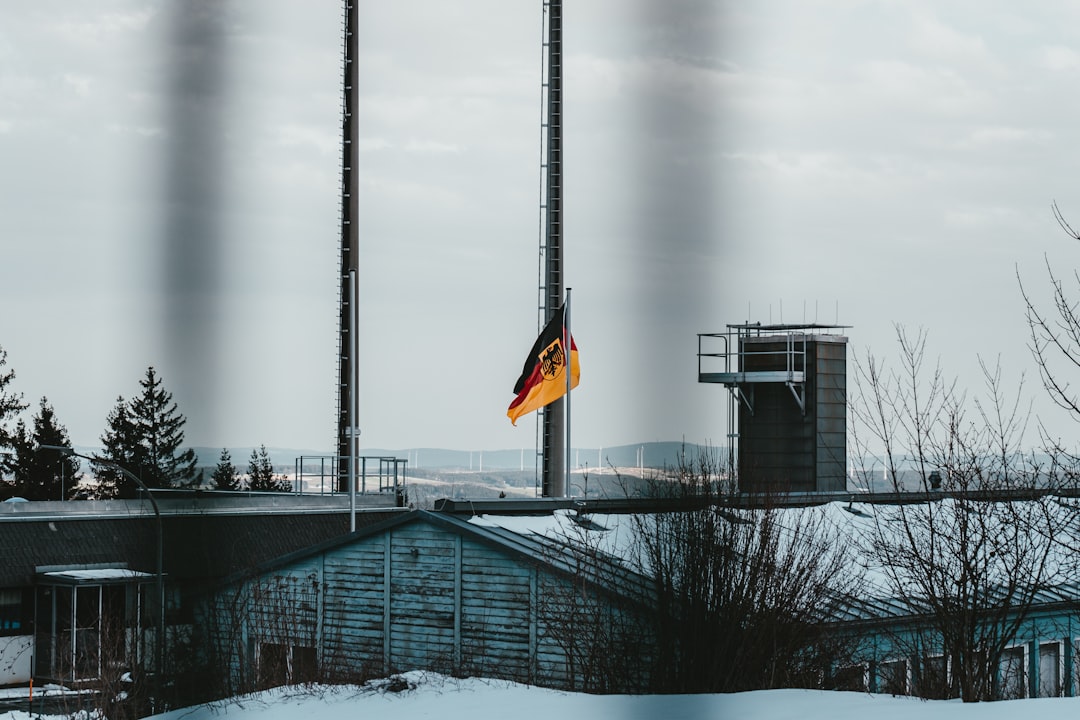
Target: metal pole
<point>160,562</point>
<point>352,404</point>
<point>554,477</point>
<point>566,349</point>
<point>350,212</point>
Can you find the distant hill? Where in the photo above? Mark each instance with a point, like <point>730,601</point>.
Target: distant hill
<point>649,454</point>
<point>281,458</point>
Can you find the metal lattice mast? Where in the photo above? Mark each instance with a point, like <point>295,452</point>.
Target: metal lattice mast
<point>554,423</point>
<point>348,343</point>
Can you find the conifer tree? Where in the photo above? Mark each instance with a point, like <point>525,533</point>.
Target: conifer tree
<point>120,445</point>
<point>144,436</point>
<point>225,476</point>
<point>11,405</point>
<point>160,427</point>
<point>261,473</point>
<point>43,475</point>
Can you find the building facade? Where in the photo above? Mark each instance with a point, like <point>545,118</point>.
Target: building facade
<point>433,591</point>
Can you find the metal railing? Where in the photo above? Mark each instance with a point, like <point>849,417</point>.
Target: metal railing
<point>320,474</point>
<point>747,359</point>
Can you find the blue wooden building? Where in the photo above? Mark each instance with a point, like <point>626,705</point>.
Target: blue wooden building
<point>1019,626</point>
<point>425,590</point>
<point>899,654</point>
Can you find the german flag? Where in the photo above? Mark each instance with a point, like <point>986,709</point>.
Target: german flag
<point>543,381</point>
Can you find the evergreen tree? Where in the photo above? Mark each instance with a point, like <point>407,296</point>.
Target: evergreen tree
<point>120,443</point>
<point>11,405</point>
<point>225,476</point>
<point>261,473</point>
<point>44,475</point>
<point>144,436</point>
<point>160,427</point>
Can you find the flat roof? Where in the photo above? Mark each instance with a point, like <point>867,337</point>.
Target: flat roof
<point>97,575</point>
<point>193,505</point>
<point>797,337</point>
<point>786,327</point>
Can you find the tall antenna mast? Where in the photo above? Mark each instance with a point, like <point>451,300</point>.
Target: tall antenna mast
<point>348,342</point>
<point>554,417</point>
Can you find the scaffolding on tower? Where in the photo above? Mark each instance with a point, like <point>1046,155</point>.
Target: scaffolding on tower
<point>551,425</point>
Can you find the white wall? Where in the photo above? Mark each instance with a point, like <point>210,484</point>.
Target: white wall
<point>16,659</point>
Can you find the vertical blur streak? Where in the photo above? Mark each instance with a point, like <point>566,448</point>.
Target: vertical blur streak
<point>675,181</point>
<point>192,225</point>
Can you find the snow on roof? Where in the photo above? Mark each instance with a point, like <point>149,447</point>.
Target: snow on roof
<point>855,525</point>
<point>611,534</point>
<point>98,575</point>
<point>862,525</point>
<point>598,548</point>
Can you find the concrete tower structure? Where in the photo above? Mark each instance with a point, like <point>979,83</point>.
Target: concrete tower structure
<point>788,389</point>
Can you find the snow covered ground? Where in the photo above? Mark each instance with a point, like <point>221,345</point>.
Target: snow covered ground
<point>451,699</point>
<point>436,696</point>
<point>419,696</point>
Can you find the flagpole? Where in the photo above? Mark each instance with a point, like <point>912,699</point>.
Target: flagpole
<point>567,341</point>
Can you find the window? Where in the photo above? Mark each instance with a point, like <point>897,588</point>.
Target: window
<point>1075,680</point>
<point>286,664</point>
<point>304,665</point>
<point>852,677</point>
<point>893,677</point>
<point>13,611</point>
<point>273,664</point>
<point>934,681</point>
<point>1012,673</point>
<point>1049,670</point>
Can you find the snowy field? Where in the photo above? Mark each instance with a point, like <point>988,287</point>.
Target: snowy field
<point>445,698</point>
<point>431,696</point>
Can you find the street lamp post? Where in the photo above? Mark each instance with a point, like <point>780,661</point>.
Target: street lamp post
<point>160,582</point>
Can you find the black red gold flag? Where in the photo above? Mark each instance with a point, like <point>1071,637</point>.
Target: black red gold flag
<point>543,380</point>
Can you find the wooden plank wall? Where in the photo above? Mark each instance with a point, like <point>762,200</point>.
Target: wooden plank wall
<point>497,622</point>
<point>420,596</point>
<point>353,609</point>
<point>422,599</point>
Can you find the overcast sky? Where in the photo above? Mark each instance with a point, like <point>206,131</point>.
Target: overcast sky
<point>169,196</point>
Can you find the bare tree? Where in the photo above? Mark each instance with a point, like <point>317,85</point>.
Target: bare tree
<point>744,596</point>
<point>595,614</point>
<point>1055,334</point>
<point>1054,342</point>
<point>969,559</point>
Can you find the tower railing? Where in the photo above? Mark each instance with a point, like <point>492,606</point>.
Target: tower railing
<point>749,355</point>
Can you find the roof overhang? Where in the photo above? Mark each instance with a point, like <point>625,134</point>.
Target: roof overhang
<point>94,576</point>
